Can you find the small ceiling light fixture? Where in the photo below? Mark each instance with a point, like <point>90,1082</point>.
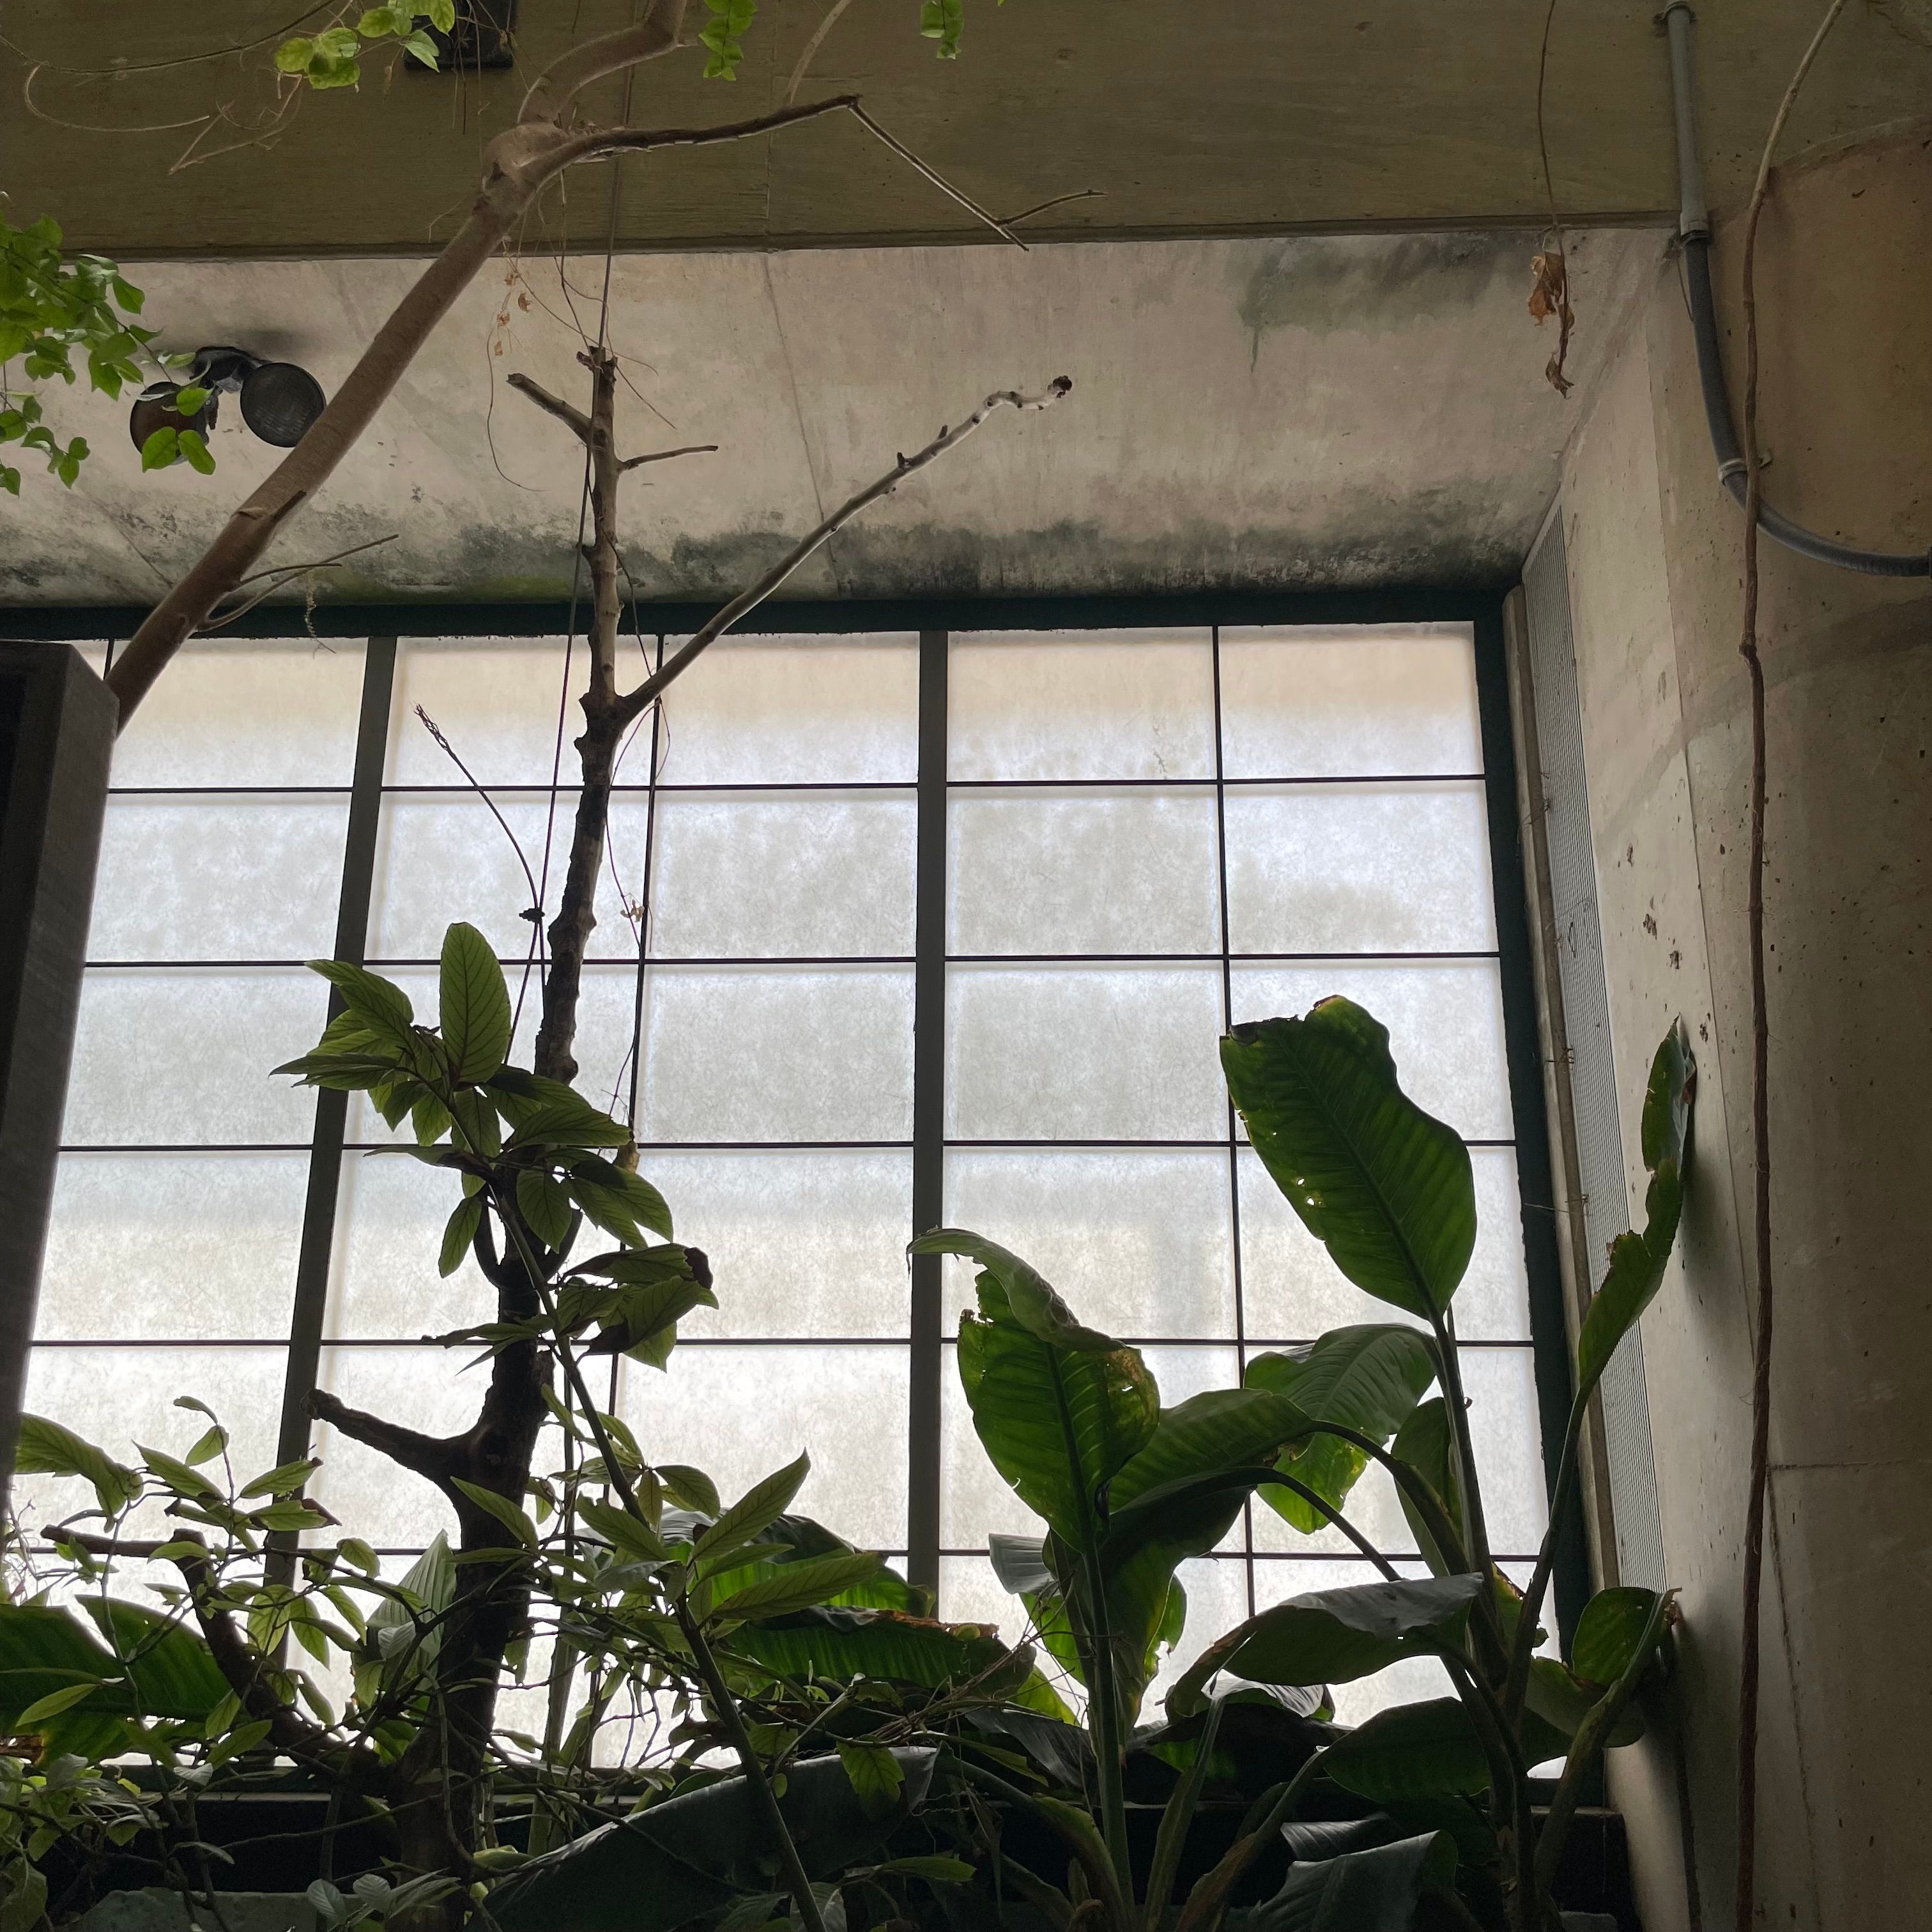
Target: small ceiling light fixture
<point>280,401</point>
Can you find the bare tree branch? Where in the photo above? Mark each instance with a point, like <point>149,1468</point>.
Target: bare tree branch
<point>632,705</point>
<point>433,1457</point>
<point>564,412</point>
<point>664,455</point>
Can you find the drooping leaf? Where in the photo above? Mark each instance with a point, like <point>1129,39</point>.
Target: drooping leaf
<point>690,1856</point>
<point>473,1004</point>
<point>382,1006</point>
<point>1333,1636</point>
<point>1638,1261</point>
<point>545,1112</point>
<point>1426,1443</point>
<point>1608,1631</point>
<point>837,1644</point>
<point>1377,1889</point>
<point>48,1449</point>
<point>1057,1421</point>
<point>1563,1700</point>
<point>1033,1300</point>
<point>1384,1187</point>
<point>1425,1750</point>
<point>459,1232</point>
<point>797,1586</point>
<point>513,1519</point>
<point>1368,1378</point>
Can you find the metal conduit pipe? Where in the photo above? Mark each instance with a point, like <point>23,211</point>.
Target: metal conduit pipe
<point>1693,225</point>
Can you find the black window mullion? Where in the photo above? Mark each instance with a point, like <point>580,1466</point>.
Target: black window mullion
<point>1522,1053</point>
<point>325,1171</point>
<point>928,1113</point>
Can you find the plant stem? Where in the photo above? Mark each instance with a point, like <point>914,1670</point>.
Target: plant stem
<point>796,1881</point>
<point>1761,1355</point>
<point>1206,1902</point>
<point>1521,1651</point>
<point>716,1688</point>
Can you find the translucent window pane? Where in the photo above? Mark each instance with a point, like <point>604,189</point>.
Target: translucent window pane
<point>167,1245</point>
<point>440,860</point>
<point>777,1054</point>
<point>1359,869</point>
<point>1445,1019</point>
<point>740,1413</point>
<point>1084,1053</point>
<point>220,715</point>
<point>1501,1384</point>
<point>1138,1240</point>
<point>218,877</point>
<point>760,877</point>
<point>430,1390</point>
<point>116,1398</point>
<point>975,1501</point>
<point>796,710</point>
<point>389,1233</point>
<point>1125,704</point>
<point>1292,1292</point>
<point>1353,702</point>
<point>496,701</point>
<point>800,1244</point>
<point>1033,871</point>
<point>182,1058</point>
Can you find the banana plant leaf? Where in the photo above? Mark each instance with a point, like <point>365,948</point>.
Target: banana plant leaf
<point>1385,1187</point>
<point>1367,1378</point>
<point>1379,1888</point>
<point>692,1856</point>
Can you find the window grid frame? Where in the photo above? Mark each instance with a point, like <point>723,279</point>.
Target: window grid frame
<point>935,627</point>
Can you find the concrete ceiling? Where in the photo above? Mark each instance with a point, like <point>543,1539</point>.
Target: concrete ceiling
<point>1312,412</point>
<point>1190,117</point>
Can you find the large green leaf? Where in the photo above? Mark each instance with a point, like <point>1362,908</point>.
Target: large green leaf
<point>1222,1429</point>
<point>48,1448</point>
<point>172,1672</point>
<point>1145,1543</point>
<point>1368,1378</point>
<point>1333,1636</point>
<point>832,1643</point>
<point>1377,1889</point>
<point>1563,1700</point>
<point>1637,1261</point>
<point>690,1856</point>
<point>1057,1421</point>
<point>1035,1303</point>
<point>1608,1633</point>
<point>474,1005</point>
<point>1424,1442</point>
<point>1426,1750</point>
<point>1385,1187</point>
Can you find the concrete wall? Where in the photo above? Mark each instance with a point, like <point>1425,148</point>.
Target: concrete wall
<point>1655,554</point>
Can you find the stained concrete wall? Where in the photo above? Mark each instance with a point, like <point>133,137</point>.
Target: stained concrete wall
<point>1654,553</point>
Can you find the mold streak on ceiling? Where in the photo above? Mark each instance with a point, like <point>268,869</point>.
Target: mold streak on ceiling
<point>1315,412</point>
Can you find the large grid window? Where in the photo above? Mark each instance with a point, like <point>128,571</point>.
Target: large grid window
<point>897,928</point>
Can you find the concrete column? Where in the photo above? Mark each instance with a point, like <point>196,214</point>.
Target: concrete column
<point>1655,552</point>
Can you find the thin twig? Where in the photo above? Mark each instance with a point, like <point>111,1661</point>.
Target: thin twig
<point>1760,1451</point>
<point>283,573</point>
<point>664,455</point>
<point>1551,268</point>
<point>435,731</point>
<point>812,46</point>
<point>633,703</point>
<point>937,179</point>
<point>1054,201</point>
